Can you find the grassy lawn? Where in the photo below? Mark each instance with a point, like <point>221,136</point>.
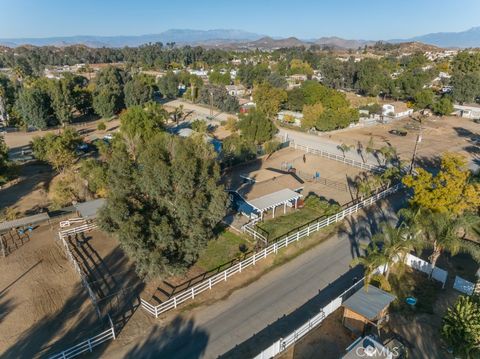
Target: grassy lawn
<point>281,225</point>
<point>415,284</point>
<point>222,250</point>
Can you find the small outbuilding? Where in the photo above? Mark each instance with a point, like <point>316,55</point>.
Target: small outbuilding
<point>368,306</point>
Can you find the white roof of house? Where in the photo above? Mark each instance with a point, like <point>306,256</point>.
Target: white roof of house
<point>467,107</point>
<point>274,199</point>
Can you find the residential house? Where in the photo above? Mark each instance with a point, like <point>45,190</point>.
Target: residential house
<point>396,110</point>
<point>236,90</point>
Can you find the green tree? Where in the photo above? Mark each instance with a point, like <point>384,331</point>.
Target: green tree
<point>268,99</point>
<point>168,85</point>
<point>108,98</point>
<point>449,191</point>
<point>218,78</point>
<point>164,205</point>
<point>58,150</point>
<point>424,99</point>
<point>139,90</point>
<point>443,106</point>
<point>466,87</point>
<point>461,327</point>
<point>35,108</point>
<point>139,124</point>
<point>295,99</point>
<point>311,115</point>
<point>256,127</point>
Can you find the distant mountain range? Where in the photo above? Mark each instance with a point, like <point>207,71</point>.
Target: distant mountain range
<point>228,38</point>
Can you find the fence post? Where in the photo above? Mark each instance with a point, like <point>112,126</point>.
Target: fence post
<point>275,247</point>
<point>265,253</point>
<point>298,236</point>
<point>175,302</point>
<point>113,328</point>
<point>90,345</point>
<point>193,292</point>
<point>209,283</point>
<point>254,254</point>
<point>225,275</point>
<point>240,266</point>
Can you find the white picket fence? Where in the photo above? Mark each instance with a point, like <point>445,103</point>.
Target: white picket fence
<point>87,345</point>
<point>62,235</point>
<point>338,158</point>
<point>463,285</point>
<point>207,284</point>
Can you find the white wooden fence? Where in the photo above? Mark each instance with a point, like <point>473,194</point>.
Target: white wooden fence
<point>207,284</point>
<point>463,285</point>
<point>62,235</point>
<point>87,345</point>
<point>426,267</point>
<point>338,158</point>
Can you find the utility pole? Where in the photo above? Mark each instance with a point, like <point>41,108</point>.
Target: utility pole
<point>211,105</point>
<point>419,139</point>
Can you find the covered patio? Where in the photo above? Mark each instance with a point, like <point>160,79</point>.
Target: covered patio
<point>285,197</point>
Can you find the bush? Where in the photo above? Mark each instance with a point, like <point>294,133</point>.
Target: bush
<point>101,126</point>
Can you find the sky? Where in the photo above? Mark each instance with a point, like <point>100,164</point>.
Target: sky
<point>306,19</point>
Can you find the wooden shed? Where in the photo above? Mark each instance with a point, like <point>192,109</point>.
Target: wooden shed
<point>368,306</point>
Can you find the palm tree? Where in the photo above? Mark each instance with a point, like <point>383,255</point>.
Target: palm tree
<point>373,259</point>
<point>389,246</point>
<point>344,148</point>
<point>442,232</point>
<point>396,243</point>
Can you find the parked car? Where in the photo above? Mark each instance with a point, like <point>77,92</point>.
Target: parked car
<point>108,137</point>
<point>398,132</point>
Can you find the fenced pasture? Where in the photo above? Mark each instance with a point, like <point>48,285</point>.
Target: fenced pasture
<point>43,305</point>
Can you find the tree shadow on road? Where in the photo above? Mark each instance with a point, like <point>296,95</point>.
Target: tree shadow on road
<point>181,339</point>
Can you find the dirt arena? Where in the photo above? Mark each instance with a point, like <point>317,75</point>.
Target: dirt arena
<point>439,135</point>
<point>340,177</point>
<point>43,306</point>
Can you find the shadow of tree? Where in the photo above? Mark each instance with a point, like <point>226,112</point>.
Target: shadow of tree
<point>181,339</point>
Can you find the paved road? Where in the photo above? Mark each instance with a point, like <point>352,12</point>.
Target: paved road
<point>255,316</point>
<point>322,142</point>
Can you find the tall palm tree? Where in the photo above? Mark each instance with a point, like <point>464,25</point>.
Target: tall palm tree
<point>441,232</point>
<point>390,245</point>
<point>396,243</point>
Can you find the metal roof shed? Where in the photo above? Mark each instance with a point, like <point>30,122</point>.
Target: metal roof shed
<point>369,302</point>
<point>25,221</point>
<point>89,210</point>
<point>367,306</point>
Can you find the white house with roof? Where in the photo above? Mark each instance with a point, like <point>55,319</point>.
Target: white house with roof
<point>467,111</point>
<point>236,90</point>
<point>396,110</point>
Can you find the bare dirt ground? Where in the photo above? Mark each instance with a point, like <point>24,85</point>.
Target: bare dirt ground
<point>439,135</point>
<point>28,193</point>
<point>42,301</point>
<point>110,273</point>
<point>15,140</point>
<point>329,340</point>
<point>266,168</point>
